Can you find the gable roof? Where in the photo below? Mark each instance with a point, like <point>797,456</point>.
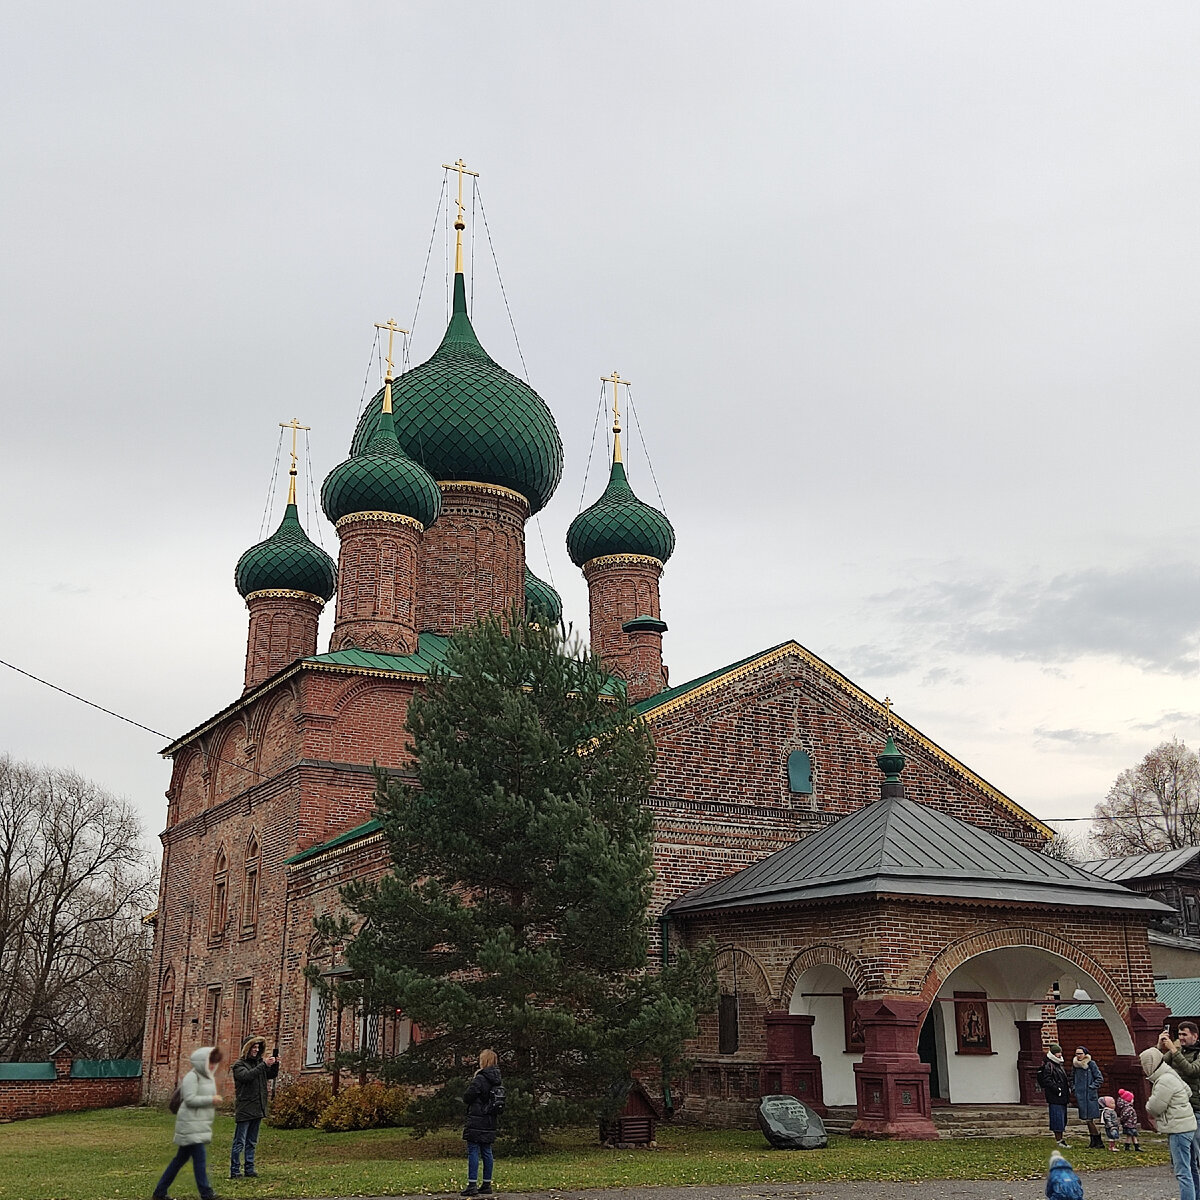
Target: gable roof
<point>900,847</point>
<point>1142,866</point>
<point>665,702</point>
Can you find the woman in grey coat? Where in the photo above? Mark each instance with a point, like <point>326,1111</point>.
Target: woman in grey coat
<point>194,1122</point>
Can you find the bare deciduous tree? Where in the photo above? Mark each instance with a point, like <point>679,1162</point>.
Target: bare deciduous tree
<point>75,883</point>
<point>1153,806</point>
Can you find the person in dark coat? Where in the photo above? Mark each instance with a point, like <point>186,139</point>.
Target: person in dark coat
<point>250,1075</point>
<point>480,1130</point>
<point>1052,1079</point>
<point>1087,1079</point>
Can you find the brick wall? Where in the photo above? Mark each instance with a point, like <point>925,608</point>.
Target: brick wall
<point>377,576</point>
<point>621,587</point>
<point>283,628</point>
<point>23,1098</point>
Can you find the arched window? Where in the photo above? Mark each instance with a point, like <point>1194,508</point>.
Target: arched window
<point>799,767</point>
<point>218,909</point>
<point>166,1015</point>
<point>250,888</point>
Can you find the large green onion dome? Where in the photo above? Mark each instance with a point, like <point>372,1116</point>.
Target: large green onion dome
<point>287,561</point>
<point>619,523</point>
<point>543,605</point>
<point>381,478</point>
<point>463,417</point>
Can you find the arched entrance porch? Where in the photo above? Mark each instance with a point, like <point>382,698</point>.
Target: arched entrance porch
<point>827,994</point>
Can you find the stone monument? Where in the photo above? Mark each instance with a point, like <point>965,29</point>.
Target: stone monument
<point>789,1124</point>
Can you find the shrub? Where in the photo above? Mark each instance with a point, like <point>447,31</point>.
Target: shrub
<point>371,1106</point>
<point>299,1102</point>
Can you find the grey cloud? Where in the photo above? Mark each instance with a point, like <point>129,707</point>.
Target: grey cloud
<point>1073,737</point>
<point>1145,614</point>
<point>1167,720</point>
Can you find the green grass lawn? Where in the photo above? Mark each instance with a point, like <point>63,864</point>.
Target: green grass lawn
<point>116,1154</point>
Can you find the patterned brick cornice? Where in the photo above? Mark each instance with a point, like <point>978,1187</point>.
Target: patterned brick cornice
<point>851,689</point>
<point>620,560</point>
<point>483,489</point>
<point>284,594</point>
<point>387,518</point>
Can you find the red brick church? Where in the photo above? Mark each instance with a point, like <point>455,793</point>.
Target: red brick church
<point>889,936</point>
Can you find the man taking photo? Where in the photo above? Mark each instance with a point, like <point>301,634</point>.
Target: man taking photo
<point>250,1075</point>
<point>1184,1057</point>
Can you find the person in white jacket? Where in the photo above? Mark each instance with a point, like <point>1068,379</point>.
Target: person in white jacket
<point>194,1122</point>
<point>1170,1104</point>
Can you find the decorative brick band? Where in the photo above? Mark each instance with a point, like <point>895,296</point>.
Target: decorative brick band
<point>620,560</point>
<point>284,594</point>
<point>387,517</point>
<point>483,489</point>
<point>822,955</point>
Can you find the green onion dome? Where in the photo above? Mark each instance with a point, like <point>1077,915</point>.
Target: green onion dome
<point>463,417</point>
<point>619,523</point>
<point>381,478</point>
<point>543,605</point>
<point>287,561</point>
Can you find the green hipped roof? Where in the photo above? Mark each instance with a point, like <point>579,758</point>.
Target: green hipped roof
<point>382,478</point>
<point>619,523</point>
<point>543,605</point>
<point>287,560</point>
<point>463,417</point>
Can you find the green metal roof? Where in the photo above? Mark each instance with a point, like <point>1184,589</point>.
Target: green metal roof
<point>26,1071</point>
<point>1181,996</point>
<point>543,604</point>
<point>382,478</point>
<point>287,560</point>
<point>899,847</point>
<point>106,1068</point>
<point>463,417</point>
<point>342,839</point>
<point>619,523</point>
<point>430,654</point>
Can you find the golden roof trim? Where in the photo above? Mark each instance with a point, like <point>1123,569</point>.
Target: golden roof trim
<point>486,489</point>
<point>620,560</point>
<point>378,515</point>
<point>284,594</point>
<point>793,649</point>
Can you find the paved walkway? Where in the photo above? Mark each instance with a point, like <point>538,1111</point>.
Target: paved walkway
<point>1135,1183</point>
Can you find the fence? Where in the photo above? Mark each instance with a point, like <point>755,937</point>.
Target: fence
<point>67,1084</point>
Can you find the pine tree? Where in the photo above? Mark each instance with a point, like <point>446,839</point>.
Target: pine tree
<point>514,915</point>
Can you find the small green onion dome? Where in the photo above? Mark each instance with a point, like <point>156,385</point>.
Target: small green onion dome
<point>619,523</point>
<point>463,417</point>
<point>891,761</point>
<point>543,605</point>
<point>287,561</point>
<point>382,478</point>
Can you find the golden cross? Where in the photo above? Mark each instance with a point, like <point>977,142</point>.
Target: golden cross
<point>392,329</point>
<point>616,380</point>
<point>887,703</point>
<point>459,223</point>
<point>295,426</point>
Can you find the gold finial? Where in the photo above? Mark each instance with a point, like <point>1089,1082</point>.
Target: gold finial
<point>616,380</point>
<point>887,703</point>
<point>459,223</point>
<point>295,426</point>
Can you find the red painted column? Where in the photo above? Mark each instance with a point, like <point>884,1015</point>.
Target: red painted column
<point>1145,1022</point>
<point>1029,1058</point>
<point>791,1061</point>
<point>891,1082</point>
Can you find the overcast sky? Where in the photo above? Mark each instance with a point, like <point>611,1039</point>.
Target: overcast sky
<point>908,293</point>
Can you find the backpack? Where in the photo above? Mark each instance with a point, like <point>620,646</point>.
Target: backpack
<point>176,1099</point>
<point>496,1100</point>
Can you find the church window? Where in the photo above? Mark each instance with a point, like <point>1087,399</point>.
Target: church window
<point>250,888</point>
<point>166,1015</point>
<point>799,767</point>
<point>219,900</point>
<point>727,1024</point>
<point>212,1016</point>
<point>241,1014</point>
<point>318,1027</point>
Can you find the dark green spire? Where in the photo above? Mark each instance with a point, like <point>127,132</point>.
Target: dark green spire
<point>463,417</point>
<point>619,523</point>
<point>287,561</point>
<point>891,763</point>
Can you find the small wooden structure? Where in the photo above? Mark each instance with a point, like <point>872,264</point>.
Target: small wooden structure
<point>637,1121</point>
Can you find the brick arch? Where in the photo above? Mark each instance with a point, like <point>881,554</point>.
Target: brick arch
<point>1018,937</point>
<point>230,772</point>
<point>356,690</point>
<point>261,716</point>
<point>275,734</point>
<point>745,961</point>
<point>822,955</point>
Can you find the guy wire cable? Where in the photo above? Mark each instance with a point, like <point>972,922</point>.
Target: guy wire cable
<point>591,449</point>
<point>262,527</point>
<point>503,292</point>
<point>412,325</point>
